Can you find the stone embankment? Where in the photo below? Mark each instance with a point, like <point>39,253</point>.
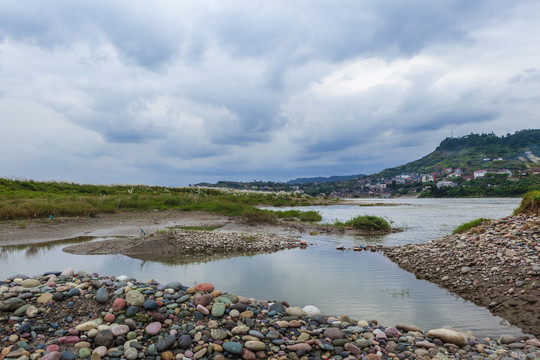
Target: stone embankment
<point>68,316</point>
<point>495,265</point>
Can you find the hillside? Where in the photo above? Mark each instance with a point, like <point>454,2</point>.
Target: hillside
<point>476,151</point>
<point>516,154</point>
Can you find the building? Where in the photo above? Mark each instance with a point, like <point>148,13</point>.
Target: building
<point>480,173</point>
<point>445,183</point>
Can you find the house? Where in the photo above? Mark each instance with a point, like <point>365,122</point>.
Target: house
<point>504,171</point>
<point>447,171</point>
<point>480,173</point>
<point>498,159</point>
<point>445,183</point>
<point>467,177</point>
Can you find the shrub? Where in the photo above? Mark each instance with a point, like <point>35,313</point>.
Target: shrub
<point>368,222</point>
<point>530,203</point>
<point>469,225</point>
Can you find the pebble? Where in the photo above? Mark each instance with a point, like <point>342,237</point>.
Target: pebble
<point>495,265</point>
<point>189,330</point>
<point>102,296</point>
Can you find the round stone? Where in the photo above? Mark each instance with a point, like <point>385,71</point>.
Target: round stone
<point>150,305</point>
<point>311,310</point>
<point>153,328</point>
<point>102,296</point>
<point>118,304</point>
<point>204,287</point>
<point>134,298</point>
<point>184,342</point>
<point>44,298</point>
<point>104,338</point>
<point>131,353</point>
<point>333,333</point>
<point>84,353</point>
<point>218,309</point>
<point>175,285</point>
<point>233,347</point>
<point>28,283</point>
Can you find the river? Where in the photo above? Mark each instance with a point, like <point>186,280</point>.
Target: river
<point>363,285</point>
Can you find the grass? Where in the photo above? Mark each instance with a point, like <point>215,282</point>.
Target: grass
<point>530,203</point>
<point>248,238</point>
<point>469,225</point>
<point>366,222</point>
<point>26,199</point>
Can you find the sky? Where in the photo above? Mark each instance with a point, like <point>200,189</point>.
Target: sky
<point>181,92</point>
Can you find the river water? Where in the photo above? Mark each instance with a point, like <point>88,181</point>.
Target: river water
<point>363,285</point>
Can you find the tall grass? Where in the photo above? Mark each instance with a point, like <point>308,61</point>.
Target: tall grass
<point>366,222</point>
<point>530,203</point>
<point>20,199</point>
<point>469,225</point>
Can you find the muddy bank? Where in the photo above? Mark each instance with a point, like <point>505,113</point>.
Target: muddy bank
<point>495,265</point>
<point>137,224</point>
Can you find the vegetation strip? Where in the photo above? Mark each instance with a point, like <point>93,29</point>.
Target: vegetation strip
<point>29,199</point>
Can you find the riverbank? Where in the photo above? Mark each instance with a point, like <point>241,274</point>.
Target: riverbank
<point>137,224</point>
<point>67,315</point>
<point>495,265</point>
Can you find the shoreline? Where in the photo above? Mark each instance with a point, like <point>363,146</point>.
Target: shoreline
<point>62,314</point>
<point>135,224</point>
<point>496,266</point>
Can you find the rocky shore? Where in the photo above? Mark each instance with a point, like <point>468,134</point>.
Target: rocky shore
<point>495,265</point>
<point>63,315</point>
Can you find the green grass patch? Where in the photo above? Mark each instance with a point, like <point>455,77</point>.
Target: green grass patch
<point>469,225</point>
<point>22,199</point>
<point>366,222</point>
<point>310,216</point>
<point>248,238</point>
<point>530,203</point>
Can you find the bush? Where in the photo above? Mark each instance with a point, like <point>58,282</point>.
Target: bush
<point>530,203</point>
<point>368,222</point>
<point>469,225</point>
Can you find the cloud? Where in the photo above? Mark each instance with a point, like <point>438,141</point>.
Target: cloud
<point>174,92</point>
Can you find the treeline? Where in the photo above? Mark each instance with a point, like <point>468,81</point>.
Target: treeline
<point>492,185</point>
<point>492,143</point>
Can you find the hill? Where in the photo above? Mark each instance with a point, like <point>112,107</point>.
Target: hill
<point>454,160</point>
<point>516,152</point>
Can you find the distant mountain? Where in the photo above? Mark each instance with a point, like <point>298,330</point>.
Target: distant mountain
<point>471,152</point>
<point>320,179</point>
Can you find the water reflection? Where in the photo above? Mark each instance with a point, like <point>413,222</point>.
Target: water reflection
<point>33,250</point>
<point>364,285</point>
<point>173,260</point>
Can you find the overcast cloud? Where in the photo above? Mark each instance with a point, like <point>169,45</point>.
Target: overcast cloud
<point>173,93</point>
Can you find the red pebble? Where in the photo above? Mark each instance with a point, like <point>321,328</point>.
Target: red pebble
<point>204,287</point>
<point>68,340</point>
<point>53,347</point>
<point>109,317</point>
<point>118,304</point>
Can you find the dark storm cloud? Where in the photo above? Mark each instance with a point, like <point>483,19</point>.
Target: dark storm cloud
<point>267,89</point>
